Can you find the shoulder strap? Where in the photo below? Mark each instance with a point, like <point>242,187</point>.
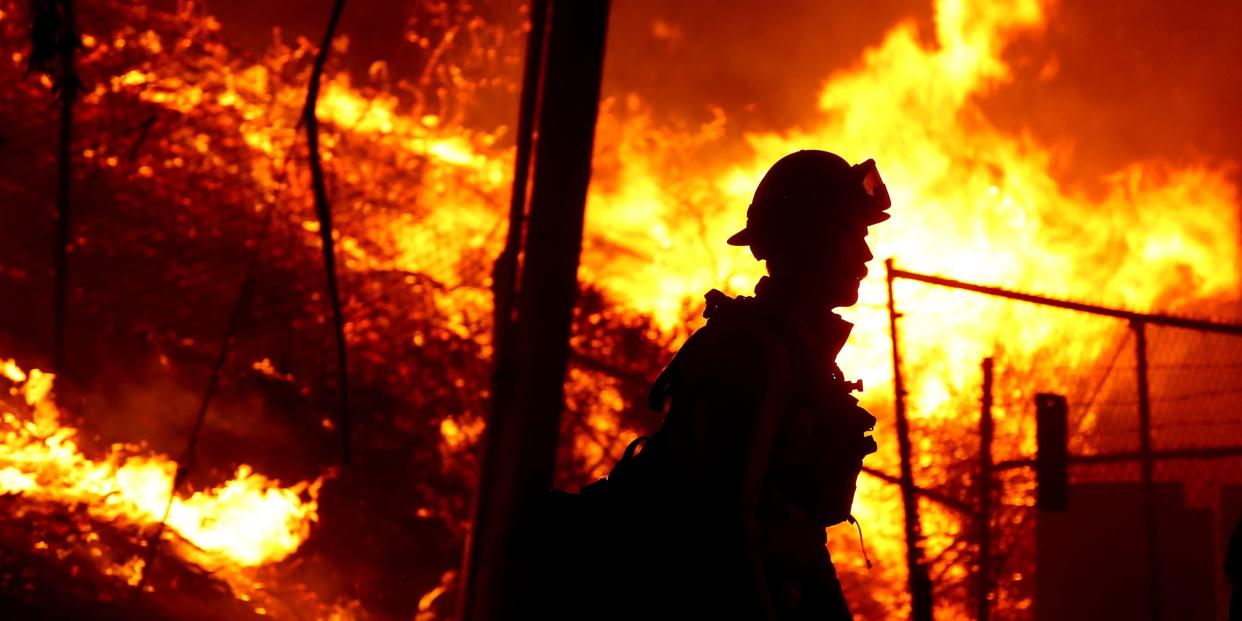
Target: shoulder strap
<point>662,388</point>
<point>719,308</point>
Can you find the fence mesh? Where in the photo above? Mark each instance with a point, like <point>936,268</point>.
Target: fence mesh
<point>1096,361</point>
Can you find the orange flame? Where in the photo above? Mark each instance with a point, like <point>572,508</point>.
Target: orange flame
<point>245,522</point>
<point>970,201</point>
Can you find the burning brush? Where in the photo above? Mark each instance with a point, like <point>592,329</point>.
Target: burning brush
<point>79,525</point>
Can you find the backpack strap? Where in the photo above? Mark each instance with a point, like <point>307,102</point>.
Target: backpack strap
<point>719,306</point>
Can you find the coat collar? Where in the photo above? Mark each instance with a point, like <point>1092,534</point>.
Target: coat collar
<point>814,326</point>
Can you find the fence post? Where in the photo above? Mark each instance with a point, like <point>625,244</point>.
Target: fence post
<point>920,583</point>
<point>984,524</point>
<point>1145,453</point>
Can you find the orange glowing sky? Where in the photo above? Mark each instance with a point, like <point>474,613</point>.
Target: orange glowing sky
<point>1121,80</point>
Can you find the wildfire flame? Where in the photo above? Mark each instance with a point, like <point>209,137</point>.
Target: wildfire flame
<point>245,522</point>
<point>970,201</point>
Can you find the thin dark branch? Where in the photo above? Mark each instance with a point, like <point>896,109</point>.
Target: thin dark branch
<point>593,364</point>
<point>324,212</point>
<point>185,462</point>
<point>144,129</point>
<point>53,34</point>
<point>930,494</point>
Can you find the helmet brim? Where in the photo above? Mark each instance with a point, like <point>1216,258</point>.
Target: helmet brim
<point>866,217</point>
<point>740,238</point>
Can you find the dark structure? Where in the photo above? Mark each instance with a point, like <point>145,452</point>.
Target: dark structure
<point>535,306</point>
<point>1092,561</point>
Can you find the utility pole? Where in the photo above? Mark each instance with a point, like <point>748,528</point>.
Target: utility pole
<point>532,353</point>
<point>920,583</point>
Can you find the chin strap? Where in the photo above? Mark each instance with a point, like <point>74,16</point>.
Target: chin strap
<point>861,543</point>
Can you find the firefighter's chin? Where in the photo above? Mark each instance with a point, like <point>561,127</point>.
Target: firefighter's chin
<point>846,294</point>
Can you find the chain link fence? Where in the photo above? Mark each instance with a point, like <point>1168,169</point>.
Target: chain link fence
<point>1154,445</point>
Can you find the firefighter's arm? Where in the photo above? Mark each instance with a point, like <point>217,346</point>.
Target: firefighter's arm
<point>745,394</point>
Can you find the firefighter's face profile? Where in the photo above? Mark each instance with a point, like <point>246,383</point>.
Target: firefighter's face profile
<point>829,268</point>
<point>843,266</point>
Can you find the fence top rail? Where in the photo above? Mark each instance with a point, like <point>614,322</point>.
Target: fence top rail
<point>1174,321</point>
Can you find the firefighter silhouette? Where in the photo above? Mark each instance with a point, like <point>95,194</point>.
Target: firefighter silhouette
<point>722,513</point>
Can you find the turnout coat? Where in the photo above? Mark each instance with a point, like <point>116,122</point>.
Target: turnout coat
<point>721,514</point>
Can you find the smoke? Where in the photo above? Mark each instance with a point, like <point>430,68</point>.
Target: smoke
<point>1122,81</point>
<point>1107,82</point>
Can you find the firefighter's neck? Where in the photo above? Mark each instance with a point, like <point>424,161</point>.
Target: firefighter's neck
<point>795,298</point>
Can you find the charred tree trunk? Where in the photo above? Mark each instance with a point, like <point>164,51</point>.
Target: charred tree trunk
<point>528,392</point>
<point>323,210</point>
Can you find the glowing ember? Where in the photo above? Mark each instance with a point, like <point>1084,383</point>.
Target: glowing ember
<point>247,521</point>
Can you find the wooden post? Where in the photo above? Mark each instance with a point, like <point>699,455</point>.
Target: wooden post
<point>920,583</point>
<point>1145,453</point>
<point>528,394</point>
<point>983,526</point>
